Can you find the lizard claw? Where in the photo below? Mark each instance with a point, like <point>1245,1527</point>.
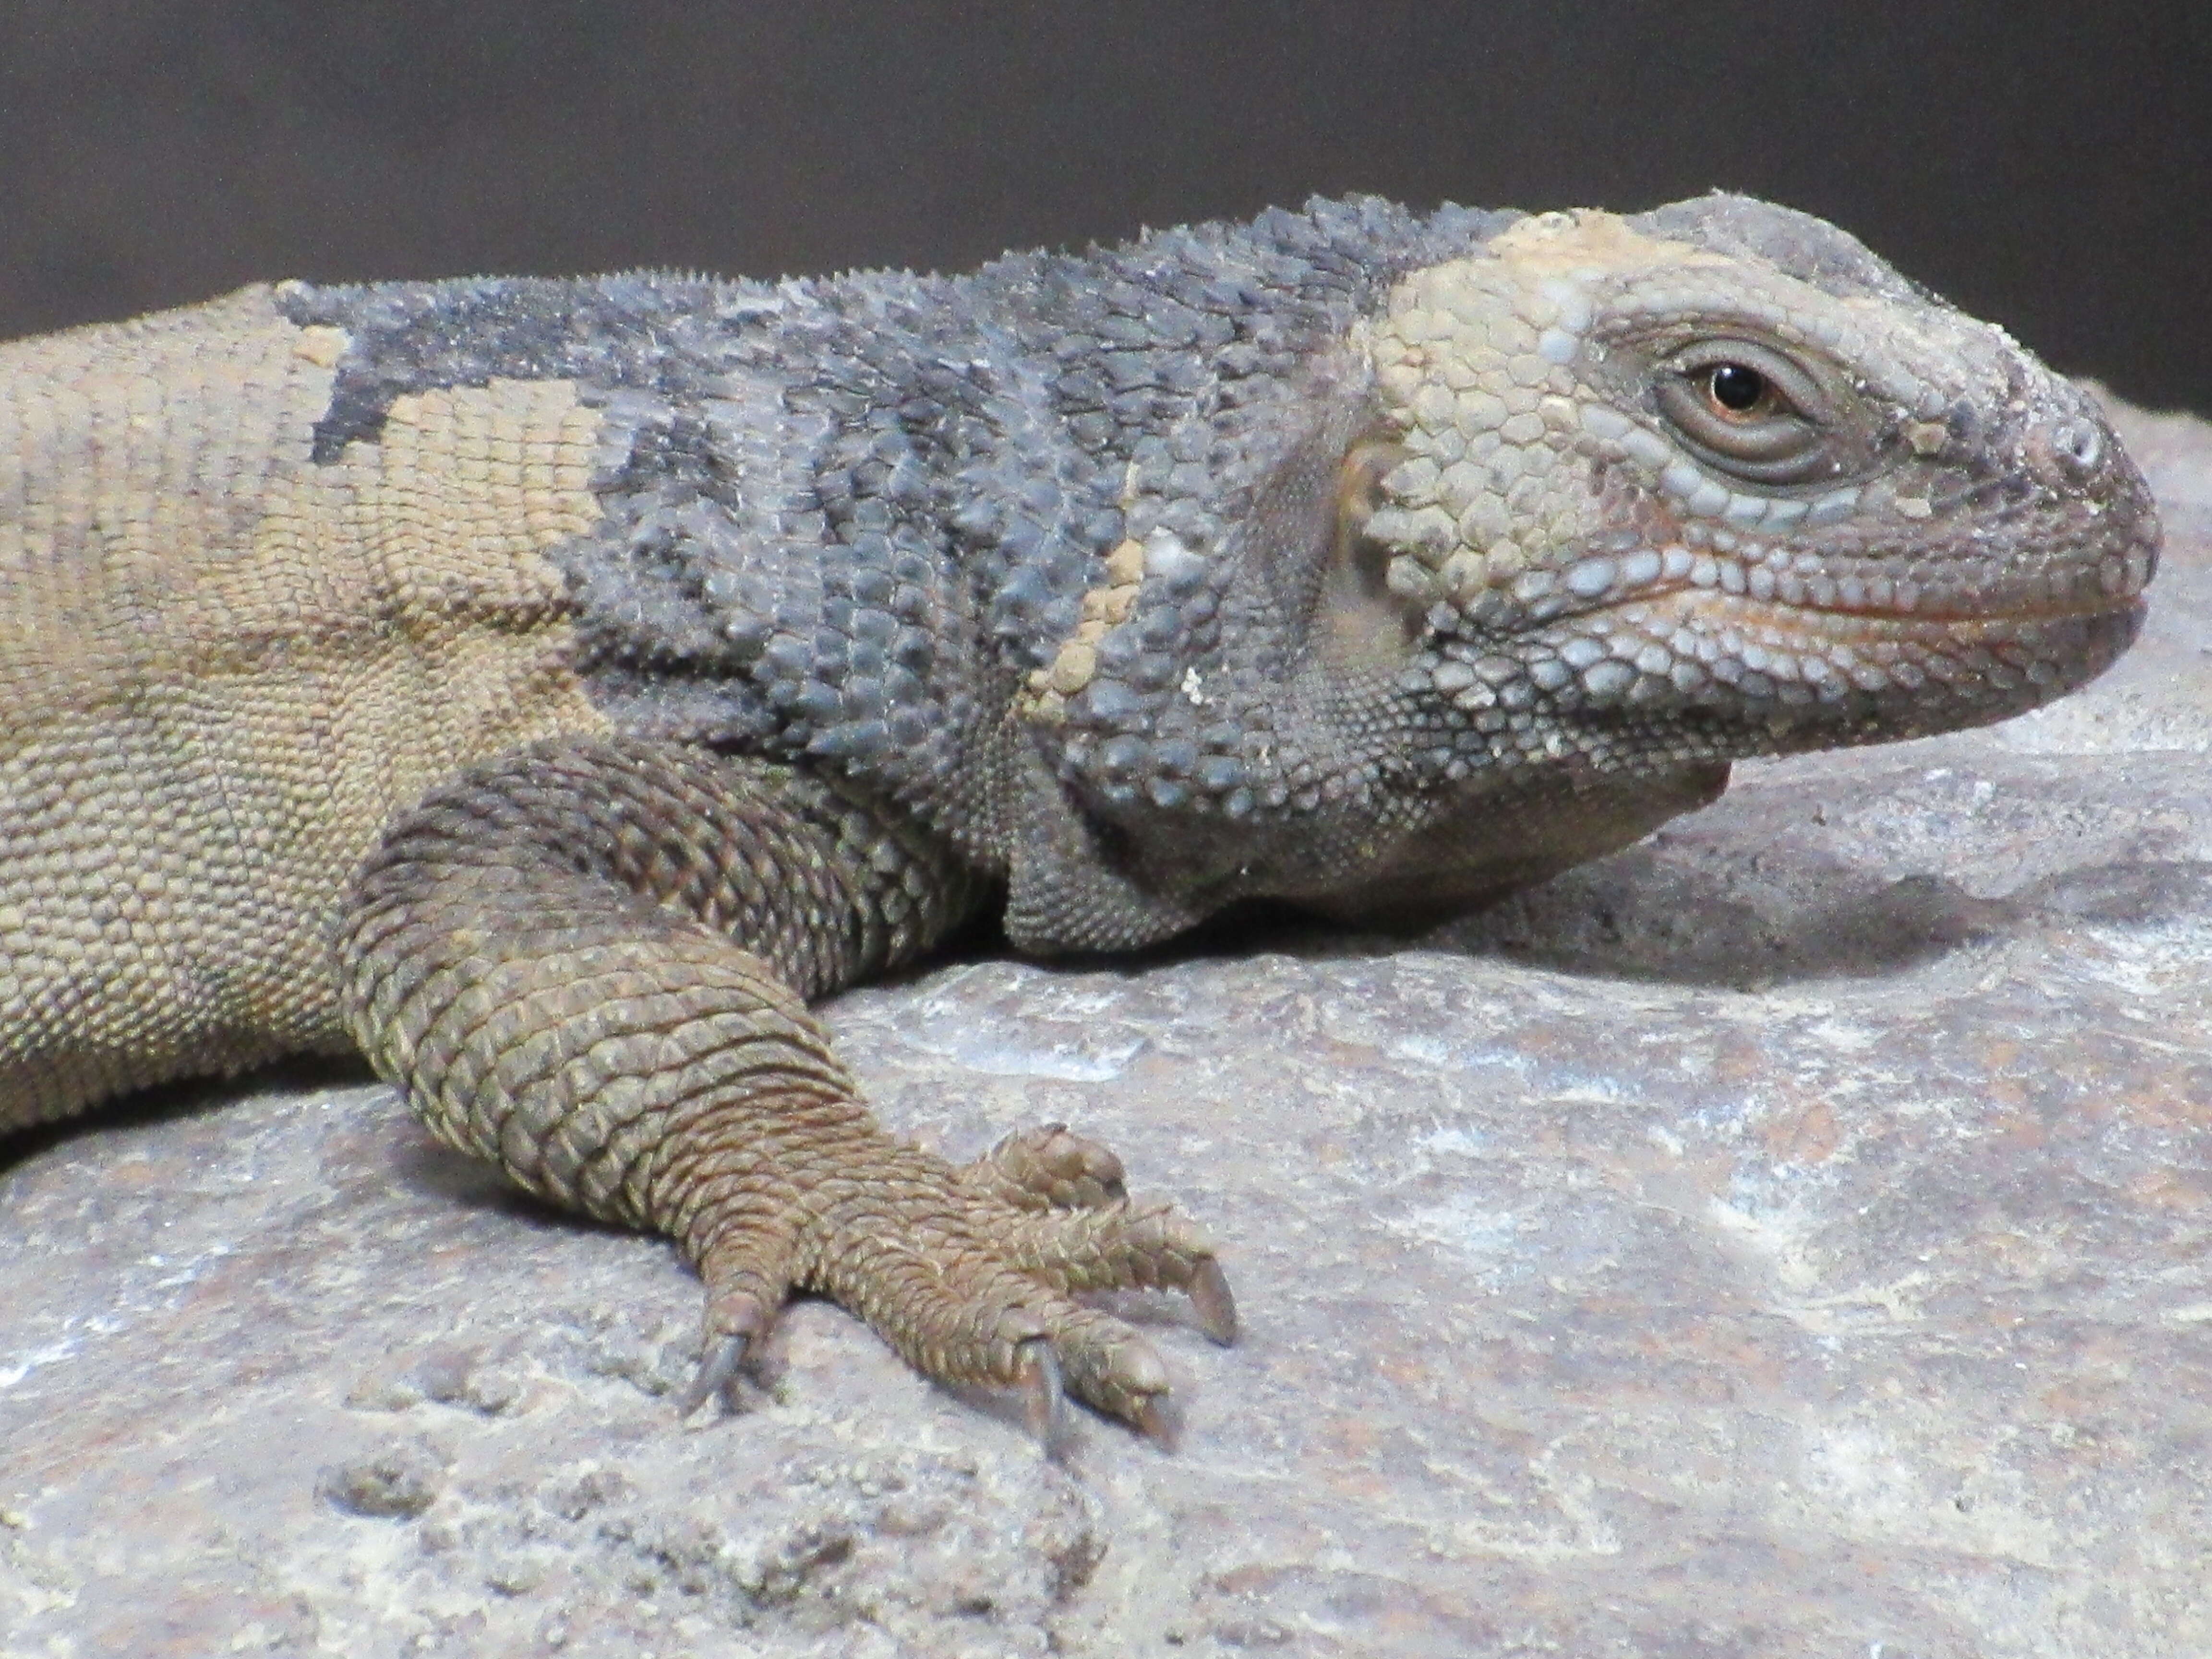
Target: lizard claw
<point>1044,1399</point>
<point>1216,1307</point>
<point>736,1324</point>
<point>718,1368</point>
<point>1157,1420</point>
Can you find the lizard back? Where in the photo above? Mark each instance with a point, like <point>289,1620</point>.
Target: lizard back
<point>225,666</point>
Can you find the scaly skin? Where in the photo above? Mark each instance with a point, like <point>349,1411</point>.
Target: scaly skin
<point>551,689</point>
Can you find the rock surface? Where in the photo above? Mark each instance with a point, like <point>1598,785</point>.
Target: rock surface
<point>1787,1237</point>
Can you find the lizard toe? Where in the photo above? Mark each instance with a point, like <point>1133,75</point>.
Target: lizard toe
<point>1124,1246</point>
<point>1106,1363</point>
<point>971,1289</point>
<point>1049,1167</point>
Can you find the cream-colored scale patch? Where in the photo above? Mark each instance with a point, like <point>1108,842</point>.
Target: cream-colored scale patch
<point>1585,244</point>
<point>224,668</point>
<point>1077,661</point>
<point>1474,359</point>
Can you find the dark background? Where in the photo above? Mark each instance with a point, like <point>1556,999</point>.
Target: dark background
<point>2045,165</point>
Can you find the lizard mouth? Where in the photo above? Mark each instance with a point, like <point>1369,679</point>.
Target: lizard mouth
<point>1964,590</point>
<point>1841,621</point>
<point>1692,649</point>
<point>1860,631</point>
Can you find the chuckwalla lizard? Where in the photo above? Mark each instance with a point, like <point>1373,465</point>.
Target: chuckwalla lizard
<point>550,688</point>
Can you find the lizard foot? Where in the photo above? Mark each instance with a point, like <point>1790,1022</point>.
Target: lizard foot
<point>1050,1167</point>
<point>590,961</point>
<point>969,1272</point>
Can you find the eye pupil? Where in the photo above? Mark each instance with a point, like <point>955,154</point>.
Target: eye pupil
<point>1735,387</point>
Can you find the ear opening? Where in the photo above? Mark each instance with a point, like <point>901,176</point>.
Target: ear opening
<point>1356,616</point>
<point>1303,556</point>
<point>1288,539</point>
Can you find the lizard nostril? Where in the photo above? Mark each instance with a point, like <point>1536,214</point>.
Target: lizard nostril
<point>2081,442</point>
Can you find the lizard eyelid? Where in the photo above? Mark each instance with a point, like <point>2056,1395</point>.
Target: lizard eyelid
<point>1748,410</point>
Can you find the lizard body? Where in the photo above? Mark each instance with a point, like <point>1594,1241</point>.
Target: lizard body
<point>551,687</point>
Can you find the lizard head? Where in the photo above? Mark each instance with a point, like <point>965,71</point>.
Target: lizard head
<point>1720,466</point>
<point>1648,495</point>
<point>1602,504</point>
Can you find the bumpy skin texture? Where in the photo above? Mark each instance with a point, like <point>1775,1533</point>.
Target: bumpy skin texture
<point>551,687</point>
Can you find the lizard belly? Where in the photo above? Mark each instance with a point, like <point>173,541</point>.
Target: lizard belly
<point>224,665</point>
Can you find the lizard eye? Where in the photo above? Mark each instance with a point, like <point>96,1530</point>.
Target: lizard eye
<point>1749,411</point>
<point>1735,389</point>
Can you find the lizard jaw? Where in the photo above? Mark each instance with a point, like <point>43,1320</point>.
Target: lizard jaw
<point>1789,676</point>
<point>1873,586</point>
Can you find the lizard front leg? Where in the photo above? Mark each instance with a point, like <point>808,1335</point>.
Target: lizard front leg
<point>589,961</point>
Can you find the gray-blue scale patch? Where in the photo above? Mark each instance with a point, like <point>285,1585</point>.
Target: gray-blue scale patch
<point>838,516</point>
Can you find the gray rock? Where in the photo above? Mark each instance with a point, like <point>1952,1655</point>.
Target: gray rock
<point>1787,1237</point>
